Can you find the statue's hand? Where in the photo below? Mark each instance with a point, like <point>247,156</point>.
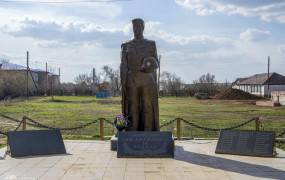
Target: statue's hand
<point>142,69</point>
<point>149,65</point>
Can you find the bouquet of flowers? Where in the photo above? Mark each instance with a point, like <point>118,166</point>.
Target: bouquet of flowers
<point>121,122</point>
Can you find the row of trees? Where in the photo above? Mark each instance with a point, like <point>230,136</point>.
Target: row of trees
<point>108,79</point>
<point>170,84</point>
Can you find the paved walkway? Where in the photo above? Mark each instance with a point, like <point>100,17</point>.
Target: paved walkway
<point>93,160</point>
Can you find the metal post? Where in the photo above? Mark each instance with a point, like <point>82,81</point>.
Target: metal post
<point>257,124</point>
<point>24,124</point>
<point>178,128</point>
<point>102,128</point>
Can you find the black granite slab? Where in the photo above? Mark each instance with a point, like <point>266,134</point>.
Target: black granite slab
<point>144,144</point>
<point>35,142</point>
<point>244,142</point>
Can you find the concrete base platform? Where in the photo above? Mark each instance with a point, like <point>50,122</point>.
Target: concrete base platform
<point>194,159</point>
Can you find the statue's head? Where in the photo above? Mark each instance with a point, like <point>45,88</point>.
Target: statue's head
<point>138,27</point>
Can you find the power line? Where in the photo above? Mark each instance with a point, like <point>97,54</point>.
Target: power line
<point>64,2</point>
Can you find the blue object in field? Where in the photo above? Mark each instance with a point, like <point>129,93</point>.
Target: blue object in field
<point>102,94</point>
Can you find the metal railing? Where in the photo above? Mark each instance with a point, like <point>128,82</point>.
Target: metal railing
<point>102,121</point>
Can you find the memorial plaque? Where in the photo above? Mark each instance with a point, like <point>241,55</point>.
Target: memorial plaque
<point>243,142</point>
<point>35,142</point>
<point>145,144</point>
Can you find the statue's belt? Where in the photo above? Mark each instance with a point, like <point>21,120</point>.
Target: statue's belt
<point>134,69</point>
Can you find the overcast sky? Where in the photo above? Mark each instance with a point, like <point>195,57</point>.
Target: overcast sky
<point>228,38</point>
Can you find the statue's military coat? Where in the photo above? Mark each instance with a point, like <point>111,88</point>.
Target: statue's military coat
<point>139,89</point>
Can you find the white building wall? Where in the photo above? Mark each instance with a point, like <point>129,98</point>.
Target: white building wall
<point>236,87</point>
<point>273,88</point>
<point>259,90</point>
<point>262,91</point>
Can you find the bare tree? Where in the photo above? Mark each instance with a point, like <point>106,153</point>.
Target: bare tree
<point>205,84</point>
<point>83,78</point>
<point>113,77</point>
<point>171,83</point>
<point>206,79</point>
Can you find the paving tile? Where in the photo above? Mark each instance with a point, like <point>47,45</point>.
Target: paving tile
<point>93,160</point>
<point>177,176</point>
<point>49,178</point>
<point>135,177</point>
<point>54,173</point>
<point>68,177</point>
<point>155,176</point>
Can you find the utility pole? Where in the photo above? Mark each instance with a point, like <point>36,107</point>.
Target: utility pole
<point>59,75</point>
<point>268,71</point>
<point>51,86</point>
<point>93,84</point>
<point>46,86</point>
<point>27,77</point>
<point>94,74</point>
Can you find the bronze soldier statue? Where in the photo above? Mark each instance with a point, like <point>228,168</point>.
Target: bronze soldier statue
<point>138,68</point>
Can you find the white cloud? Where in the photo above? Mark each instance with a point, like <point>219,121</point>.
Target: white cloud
<point>79,11</point>
<point>281,19</point>
<point>6,56</point>
<point>68,42</point>
<point>77,40</point>
<point>254,35</point>
<point>267,10</point>
<point>185,40</point>
<point>53,34</point>
<point>193,43</point>
<point>65,32</point>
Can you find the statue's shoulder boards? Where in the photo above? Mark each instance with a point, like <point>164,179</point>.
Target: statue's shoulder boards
<point>150,42</point>
<point>124,45</point>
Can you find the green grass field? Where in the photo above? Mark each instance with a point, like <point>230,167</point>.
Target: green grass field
<point>69,111</point>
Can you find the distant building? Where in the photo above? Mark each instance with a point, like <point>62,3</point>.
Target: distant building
<point>258,84</point>
<point>39,80</point>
